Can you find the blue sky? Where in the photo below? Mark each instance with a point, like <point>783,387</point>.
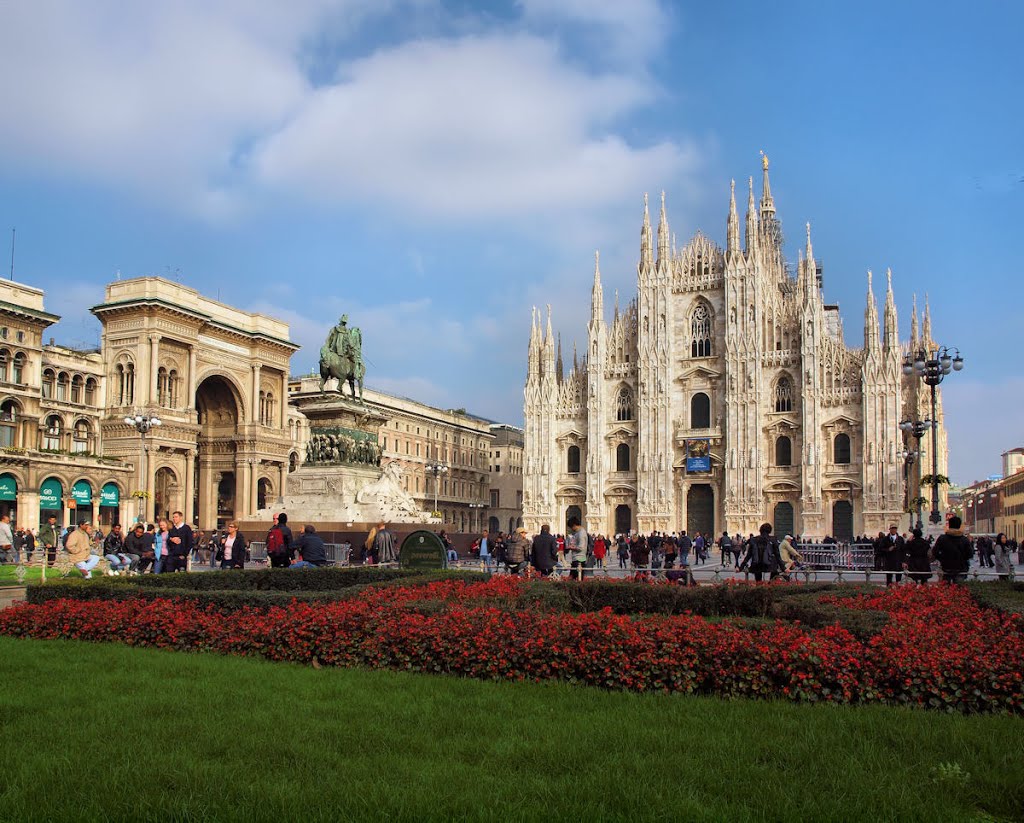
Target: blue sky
<point>436,169</point>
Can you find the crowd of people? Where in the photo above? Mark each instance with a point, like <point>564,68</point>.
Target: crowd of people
<point>161,547</point>
<point>764,555</point>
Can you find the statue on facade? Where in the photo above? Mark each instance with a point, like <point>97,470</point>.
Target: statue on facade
<point>341,357</point>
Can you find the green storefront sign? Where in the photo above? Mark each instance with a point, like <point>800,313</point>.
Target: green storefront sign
<point>81,493</point>
<point>51,495</point>
<point>422,550</point>
<point>110,496</point>
<point>8,488</point>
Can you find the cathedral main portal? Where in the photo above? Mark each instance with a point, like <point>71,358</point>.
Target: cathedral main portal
<point>700,509</point>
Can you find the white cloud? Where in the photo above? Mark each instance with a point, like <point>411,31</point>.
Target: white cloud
<point>478,126</point>
<point>205,107</point>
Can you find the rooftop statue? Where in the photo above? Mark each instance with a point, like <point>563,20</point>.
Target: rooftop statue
<point>341,357</point>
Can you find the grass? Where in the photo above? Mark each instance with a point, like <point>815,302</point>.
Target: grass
<point>91,732</point>
<point>9,577</point>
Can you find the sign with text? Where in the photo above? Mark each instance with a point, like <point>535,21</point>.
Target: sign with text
<point>8,487</point>
<point>698,455</point>
<point>81,493</point>
<point>51,494</point>
<point>422,550</point>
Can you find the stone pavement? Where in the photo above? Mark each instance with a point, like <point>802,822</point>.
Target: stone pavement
<point>9,595</point>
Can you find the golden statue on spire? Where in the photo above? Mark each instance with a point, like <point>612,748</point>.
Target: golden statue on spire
<point>764,161</point>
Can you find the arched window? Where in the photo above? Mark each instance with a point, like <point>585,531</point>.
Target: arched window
<point>80,437</point>
<point>700,411</point>
<point>841,448</point>
<point>18,368</point>
<point>700,332</point>
<point>125,383</point>
<point>5,357</point>
<point>268,411</point>
<point>783,395</point>
<point>173,382</point>
<point>624,404</point>
<point>622,457</point>
<point>90,391</point>
<point>293,464</point>
<point>62,386</point>
<point>49,381</point>
<point>52,432</point>
<point>8,422</point>
<point>573,460</point>
<point>77,384</point>
<point>783,451</point>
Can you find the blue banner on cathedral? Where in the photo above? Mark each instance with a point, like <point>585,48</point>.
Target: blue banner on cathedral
<point>698,455</point>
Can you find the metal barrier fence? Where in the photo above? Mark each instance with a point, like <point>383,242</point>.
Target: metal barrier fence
<point>338,554</point>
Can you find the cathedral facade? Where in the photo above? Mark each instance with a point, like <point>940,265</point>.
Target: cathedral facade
<point>724,396</point>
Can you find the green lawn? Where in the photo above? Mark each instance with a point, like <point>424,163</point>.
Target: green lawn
<point>9,577</point>
<point>114,733</point>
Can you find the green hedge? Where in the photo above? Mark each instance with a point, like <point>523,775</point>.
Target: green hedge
<point>260,588</point>
<point>1001,595</point>
<point>287,580</point>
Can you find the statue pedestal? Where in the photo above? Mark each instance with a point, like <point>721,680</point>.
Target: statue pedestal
<point>342,479</point>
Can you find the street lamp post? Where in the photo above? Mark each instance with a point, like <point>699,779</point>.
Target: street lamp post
<point>933,366</point>
<point>916,429</point>
<point>437,469</point>
<point>143,424</point>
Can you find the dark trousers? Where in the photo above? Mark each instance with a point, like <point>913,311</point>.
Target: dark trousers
<point>145,563</point>
<point>279,561</point>
<point>174,563</point>
<point>889,578</point>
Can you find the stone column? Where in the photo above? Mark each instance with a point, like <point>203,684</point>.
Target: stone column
<point>189,485</point>
<point>283,406</point>
<point>254,479</point>
<point>254,413</point>
<point>242,473</point>
<point>192,385</point>
<point>283,482</point>
<point>207,493</point>
<point>154,360</point>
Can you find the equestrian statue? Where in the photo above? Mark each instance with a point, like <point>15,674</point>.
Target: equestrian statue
<point>341,357</point>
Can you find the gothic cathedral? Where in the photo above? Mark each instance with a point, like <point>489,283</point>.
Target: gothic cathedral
<point>722,397</point>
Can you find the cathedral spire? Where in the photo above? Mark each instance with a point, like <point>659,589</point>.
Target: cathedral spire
<point>751,236</point>
<point>663,233</point>
<point>597,294</point>
<point>926,331</point>
<point>616,304</point>
<point>871,334</point>
<point>559,368</point>
<point>767,204</point>
<point>809,253</point>
<point>914,337</point>
<point>549,349</point>
<point>733,223</point>
<point>575,358</point>
<point>892,333</point>
<point>534,350</point>
<point>646,240</point>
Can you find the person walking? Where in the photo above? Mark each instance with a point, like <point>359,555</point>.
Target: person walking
<point>953,551</point>
<point>7,551</point>
<point>485,553</point>
<point>279,543</point>
<point>1003,559</point>
<point>919,567</point>
<point>622,550</point>
<point>384,544</point>
<point>49,535</point>
<point>762,553</point>
<point>179,542</point>
<point>576,544</point>
<point>600,550</point>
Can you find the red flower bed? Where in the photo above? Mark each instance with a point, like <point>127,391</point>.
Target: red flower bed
<point>939,649</point>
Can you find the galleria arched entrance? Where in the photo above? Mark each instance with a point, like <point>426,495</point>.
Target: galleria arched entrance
<point>217,467</point>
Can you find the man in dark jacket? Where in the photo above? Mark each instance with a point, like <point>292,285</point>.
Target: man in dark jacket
<point>762,553</point>
<point>892,547</point>
<point>282,558</point>
<point>544,553</point>
<point>179,540</point>
<point>953,551</point>
<point>311,549</point>
<point>135,544</point>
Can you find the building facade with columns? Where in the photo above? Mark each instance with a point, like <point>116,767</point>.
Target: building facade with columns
<point>724,396</point>
<point>51,405</point>
<point>217,377</point>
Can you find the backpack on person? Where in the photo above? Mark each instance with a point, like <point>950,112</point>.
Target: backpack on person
<point>275,541</point>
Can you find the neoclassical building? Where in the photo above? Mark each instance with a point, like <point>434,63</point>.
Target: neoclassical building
<point>217,377</point>
<point>724,396</point>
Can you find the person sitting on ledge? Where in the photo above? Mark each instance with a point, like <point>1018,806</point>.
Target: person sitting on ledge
<point>311,549</point>
<point>79,549</point>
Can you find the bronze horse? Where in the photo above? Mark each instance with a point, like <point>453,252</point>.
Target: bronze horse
<point>343,369</point>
